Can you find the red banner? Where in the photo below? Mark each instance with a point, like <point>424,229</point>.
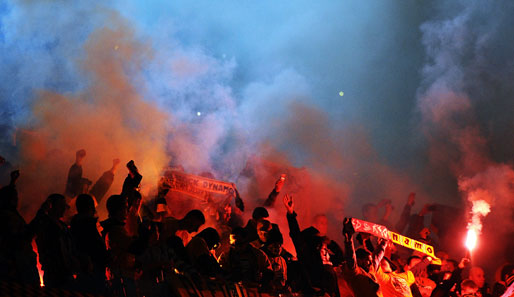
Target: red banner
<point>194,185</point>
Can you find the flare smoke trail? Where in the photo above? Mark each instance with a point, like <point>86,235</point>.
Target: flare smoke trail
<point>465,102</point>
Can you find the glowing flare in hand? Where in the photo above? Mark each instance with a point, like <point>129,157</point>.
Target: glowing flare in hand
<point>471,239</point>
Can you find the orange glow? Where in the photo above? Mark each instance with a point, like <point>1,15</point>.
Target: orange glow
<point>471,239</point>
<point>34,247</point>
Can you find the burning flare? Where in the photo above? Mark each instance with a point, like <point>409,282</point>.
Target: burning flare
<point>471,239</point>
<point>479,210</point>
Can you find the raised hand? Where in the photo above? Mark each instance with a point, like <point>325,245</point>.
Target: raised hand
<point>464,262</point>
<point>289,204</point>
<point>382,241</point>
<point>348,227</point>
<point>280,183</point>
<point>239,202</point>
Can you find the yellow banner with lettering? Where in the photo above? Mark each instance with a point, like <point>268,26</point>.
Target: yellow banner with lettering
<point>383,232</point>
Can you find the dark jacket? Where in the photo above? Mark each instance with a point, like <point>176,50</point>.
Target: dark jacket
<point>89,243</point>
<point>56,250</point>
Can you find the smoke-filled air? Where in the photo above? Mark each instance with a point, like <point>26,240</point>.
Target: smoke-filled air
<point>355,109</point>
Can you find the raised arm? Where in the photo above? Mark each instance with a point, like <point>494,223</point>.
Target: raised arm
<point>272,197</point>
<point>349,251</point>
<point>379,252</point>
<point>294,227</point>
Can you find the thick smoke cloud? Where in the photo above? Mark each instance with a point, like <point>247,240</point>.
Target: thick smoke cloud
<point>224,86</point>
<point>151,71</point>
<point>465,103</point>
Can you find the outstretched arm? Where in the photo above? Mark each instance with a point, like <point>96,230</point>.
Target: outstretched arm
<point>272,197</point>
<point>294,227</point>
<point>349,255</point>
<point>379,252</point>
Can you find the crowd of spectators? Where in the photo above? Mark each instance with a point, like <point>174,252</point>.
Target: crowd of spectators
<point>139,250</point>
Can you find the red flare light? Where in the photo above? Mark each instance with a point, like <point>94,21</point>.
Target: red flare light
<point>471,239</point>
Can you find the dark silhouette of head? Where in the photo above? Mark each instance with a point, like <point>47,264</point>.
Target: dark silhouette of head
<point>85,205</point>
<point>79,156</point>
<point>238,237</point>
<point>211,237</point>
<point>260,213</point>
<point>134,198</point>
<point>117,207</point>
<point>364,259</point>
<point>193,220</point>
<point>274,243</point>
<point>57,205</point>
